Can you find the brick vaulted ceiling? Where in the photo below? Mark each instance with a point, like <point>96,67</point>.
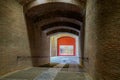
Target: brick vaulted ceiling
<point>48,14</point>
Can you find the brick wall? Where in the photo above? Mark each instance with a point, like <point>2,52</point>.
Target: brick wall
<point>102,39</point>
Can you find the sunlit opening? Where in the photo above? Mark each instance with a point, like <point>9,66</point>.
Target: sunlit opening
<point>64,48</point>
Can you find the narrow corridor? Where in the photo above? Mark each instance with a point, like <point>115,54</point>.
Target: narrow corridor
<point>58,72</point>
<point>59,39</point>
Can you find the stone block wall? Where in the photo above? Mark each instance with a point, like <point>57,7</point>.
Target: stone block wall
<point>13,37</point>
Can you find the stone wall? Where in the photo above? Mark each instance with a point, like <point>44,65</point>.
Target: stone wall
<point>102,39</point>
<point>39,43</point>
<point>13,37</point>
<point>45,49</point>
<point>53,46</point>
<point>90,49</point>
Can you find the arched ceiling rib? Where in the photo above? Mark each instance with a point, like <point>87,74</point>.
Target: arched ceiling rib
<point>75,2</point>
<point>67,24</point>
<point>60,21</point>
<point>63,30</point>
<point>53,5</point>
<point>50,15</point>
<point>51,8</point>
<point>60,27</point>
<point>58,13</point>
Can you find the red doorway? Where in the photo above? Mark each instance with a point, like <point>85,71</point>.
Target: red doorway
<point>66,46</point>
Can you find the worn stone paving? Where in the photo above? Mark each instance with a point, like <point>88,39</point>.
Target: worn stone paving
<point>50,74</point>
<point>37,73</point>
<point>73,68</point>
<point>70,76</point>
<point>65,59</point>
<point>25,74</point>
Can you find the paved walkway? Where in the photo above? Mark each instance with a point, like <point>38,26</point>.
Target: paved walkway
<point>73,68</point>
<point>65,59</point>
<point>50,74</point>
<point>55,73</point>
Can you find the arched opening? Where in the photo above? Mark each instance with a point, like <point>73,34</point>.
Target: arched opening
<point>44,20</point>
<point>65,48</point>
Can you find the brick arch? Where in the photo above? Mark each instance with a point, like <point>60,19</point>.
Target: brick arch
<point>66,40</point>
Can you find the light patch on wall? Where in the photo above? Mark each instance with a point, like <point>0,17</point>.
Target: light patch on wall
<point>66,50</point>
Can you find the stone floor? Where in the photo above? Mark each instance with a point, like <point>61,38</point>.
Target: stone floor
<point>56,73</point>
<point>65,59</point>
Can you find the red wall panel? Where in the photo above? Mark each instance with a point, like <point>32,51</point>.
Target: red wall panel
<point>66,40</point>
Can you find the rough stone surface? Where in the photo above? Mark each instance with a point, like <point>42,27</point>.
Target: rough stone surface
<point>39,44</point>
<point>55,73</point>
<point>102,39</point>
<point>13,37</point>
